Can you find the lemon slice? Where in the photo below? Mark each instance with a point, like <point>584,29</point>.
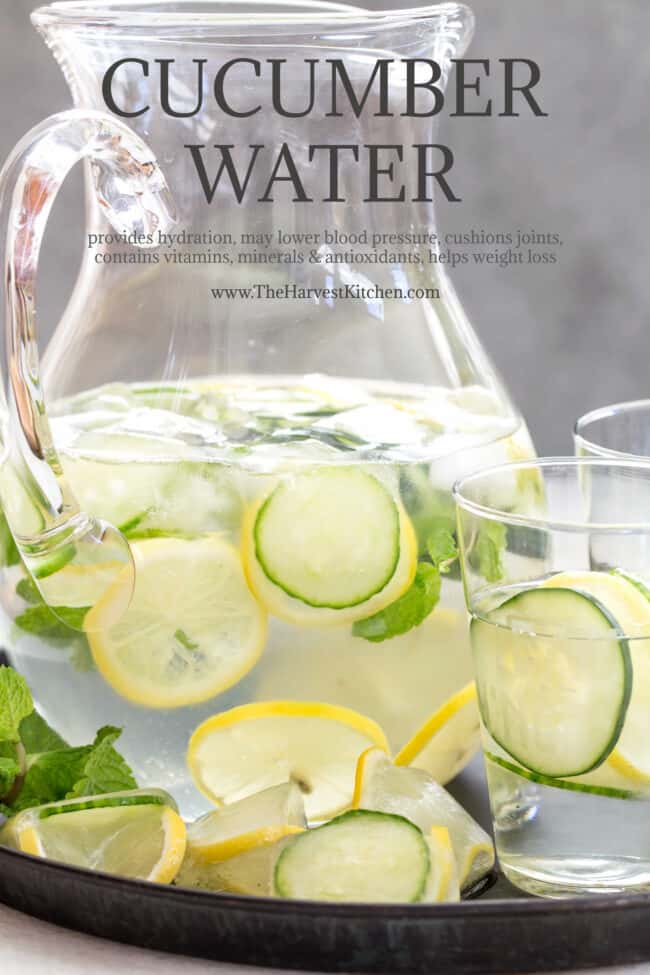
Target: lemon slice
<point>624,599</point>
<point>146,842</point>
<point>442,883</point>
<point>414,794</point>
<point>258,820</point>
<point>193,629</point>
<point>350,567</point>
<point>448,739</point>
<point>253,747</point>
<point>361,675</point>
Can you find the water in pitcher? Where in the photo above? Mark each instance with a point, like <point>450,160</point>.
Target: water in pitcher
<point>276,524</point>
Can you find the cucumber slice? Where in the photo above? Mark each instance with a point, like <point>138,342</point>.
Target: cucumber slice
<point>359,856</point>
<point>329,537</point>
<point>555,703</point>
<point>572,785</point>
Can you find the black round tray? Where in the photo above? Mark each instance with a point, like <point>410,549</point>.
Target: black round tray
<point>497,931</point>
<point>492,934</point>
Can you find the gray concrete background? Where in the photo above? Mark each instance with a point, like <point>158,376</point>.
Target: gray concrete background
<point>566,338</point>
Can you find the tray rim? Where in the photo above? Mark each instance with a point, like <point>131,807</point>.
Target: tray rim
<point>349,910</point>
<point>503,936</point>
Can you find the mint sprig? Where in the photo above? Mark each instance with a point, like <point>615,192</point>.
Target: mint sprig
<point>422,596</point>
<point>36,764</point>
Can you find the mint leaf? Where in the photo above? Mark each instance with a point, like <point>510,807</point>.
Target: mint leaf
<point>27,590</point>
<point>407,611</point>
<point>413,607</point>
<point>15,703</point>
<point>41,621</point>
<point>441,546</point>
<point>488,549</point>
<point>79,655</point>
<point>105,770</point>
<point>37,736</point>
<point>428,507</point>
<point>51,776</point>
<point>185,641</point>
<point>9,771</point>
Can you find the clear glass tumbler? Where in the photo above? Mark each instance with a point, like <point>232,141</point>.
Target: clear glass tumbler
<point>619,430</point>
<point>556,570</point>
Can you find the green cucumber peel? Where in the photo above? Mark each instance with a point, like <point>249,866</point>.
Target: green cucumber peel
<point>556,783</point>
<point>102,802</point>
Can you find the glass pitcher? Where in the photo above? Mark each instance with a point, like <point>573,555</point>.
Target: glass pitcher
<point>258,399</point>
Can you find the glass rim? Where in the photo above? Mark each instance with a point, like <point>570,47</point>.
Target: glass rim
<point>494,513</point>
<point>187,16</point>
<point>603,413</point>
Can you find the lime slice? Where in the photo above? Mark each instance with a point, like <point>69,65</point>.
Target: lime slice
<point>413,793</point>
<point>253,747</point>
<point>554,678</point>
<point>258,820</point>
<point>448,739</point>
<point>626,599</point>
<point>363,856</point>
<point>442,882</point>
<point>145,841</point>
<point>329,546</point>
<point>193,629</point>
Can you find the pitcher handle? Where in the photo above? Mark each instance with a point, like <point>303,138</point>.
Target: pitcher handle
<point>49,528</point>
